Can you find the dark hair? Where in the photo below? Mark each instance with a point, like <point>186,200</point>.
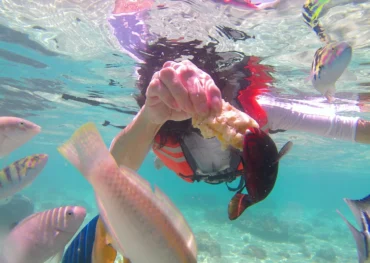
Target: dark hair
<point>223,67</point>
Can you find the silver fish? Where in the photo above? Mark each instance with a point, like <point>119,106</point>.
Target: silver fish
<point>14,132</point>
<point>328,65</point>
<point>361,210</point>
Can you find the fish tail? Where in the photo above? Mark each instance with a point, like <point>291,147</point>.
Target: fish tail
<point>360,238</point>
<point>86,150</point>
<point>238,204</point>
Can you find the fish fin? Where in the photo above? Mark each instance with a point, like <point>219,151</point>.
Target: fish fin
<point>329,94</point>
<point>113,238</point>
<point>359,238</point>
<point>177,218</point>
<point>86,150</point>
<point>121,259</point>
<point>56,258</point>
<point>103,250</point>
<point>310,77</point>
<point>158,163</point>
<point>238,204</point>
<point>357,206</point>
<point>284,150</point>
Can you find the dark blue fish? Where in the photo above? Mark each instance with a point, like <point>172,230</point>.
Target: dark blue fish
<point>81,248</point>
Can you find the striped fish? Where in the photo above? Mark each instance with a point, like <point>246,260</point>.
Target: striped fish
<point>91,245</point>
<point>328,65</point>
<point>20,174</point>
<point>310,12</point>
<point>361,210</point>
<point>42,236</point>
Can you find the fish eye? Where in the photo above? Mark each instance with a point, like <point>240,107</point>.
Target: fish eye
<point>69,213</point>
<point>21,123</point>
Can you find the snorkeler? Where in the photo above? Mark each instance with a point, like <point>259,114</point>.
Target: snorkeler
<point>167,100</point>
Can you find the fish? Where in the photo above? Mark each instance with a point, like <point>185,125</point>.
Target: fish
<point>144,224</point>
<point>361,210</point>
<point>311,11</point>
<point>20,174</point>
<point>14,132</point>
<point>328,65</point>
<point>261,163</point>
<point>43,235</point>
<point>92,245</point>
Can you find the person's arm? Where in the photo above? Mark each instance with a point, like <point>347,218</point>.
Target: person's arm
<point>132,144</point>
<point>292,116</point>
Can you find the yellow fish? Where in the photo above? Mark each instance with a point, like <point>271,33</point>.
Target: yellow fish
<point>328,65</point>
<point>21,174</point>
<point>92,245</point>
<point>310,12</point>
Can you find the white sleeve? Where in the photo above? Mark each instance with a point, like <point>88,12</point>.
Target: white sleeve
<point>298,117</point>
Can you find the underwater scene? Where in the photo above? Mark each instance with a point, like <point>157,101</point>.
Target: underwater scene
<point>210,131</point>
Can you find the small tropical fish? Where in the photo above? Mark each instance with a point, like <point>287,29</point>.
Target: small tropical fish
<point>21,174</point>
<point>328,65</point>
<point>310,12</point>
<point>43,235</point>
<point>261,162</point>
<point>14,132</point>
<point>361,210</point>
<point>144,225</point>
<point>92,245</point>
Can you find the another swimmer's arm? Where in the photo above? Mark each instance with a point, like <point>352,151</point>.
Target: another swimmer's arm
<point>332,126</point>
<point>133,143</point>
<point>363,131</point>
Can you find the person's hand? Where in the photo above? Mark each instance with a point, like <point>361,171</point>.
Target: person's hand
<point>179,91</point>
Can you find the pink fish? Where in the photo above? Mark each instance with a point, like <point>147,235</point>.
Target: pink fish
<point>14,132</point>
<point>43,235</point>
<point>144,224</point>
<point>20,174</point>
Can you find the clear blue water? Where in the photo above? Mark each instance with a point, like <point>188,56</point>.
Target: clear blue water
<point>296,223</point>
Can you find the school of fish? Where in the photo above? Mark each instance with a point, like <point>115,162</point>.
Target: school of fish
<point>138,223</point>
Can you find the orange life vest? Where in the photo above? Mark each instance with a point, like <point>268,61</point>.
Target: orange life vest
<point>172,156</point>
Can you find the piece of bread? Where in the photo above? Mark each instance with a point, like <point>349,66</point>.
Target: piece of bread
<point>229,127</point>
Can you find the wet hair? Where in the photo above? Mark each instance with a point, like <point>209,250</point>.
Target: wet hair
<point>223,67</point>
